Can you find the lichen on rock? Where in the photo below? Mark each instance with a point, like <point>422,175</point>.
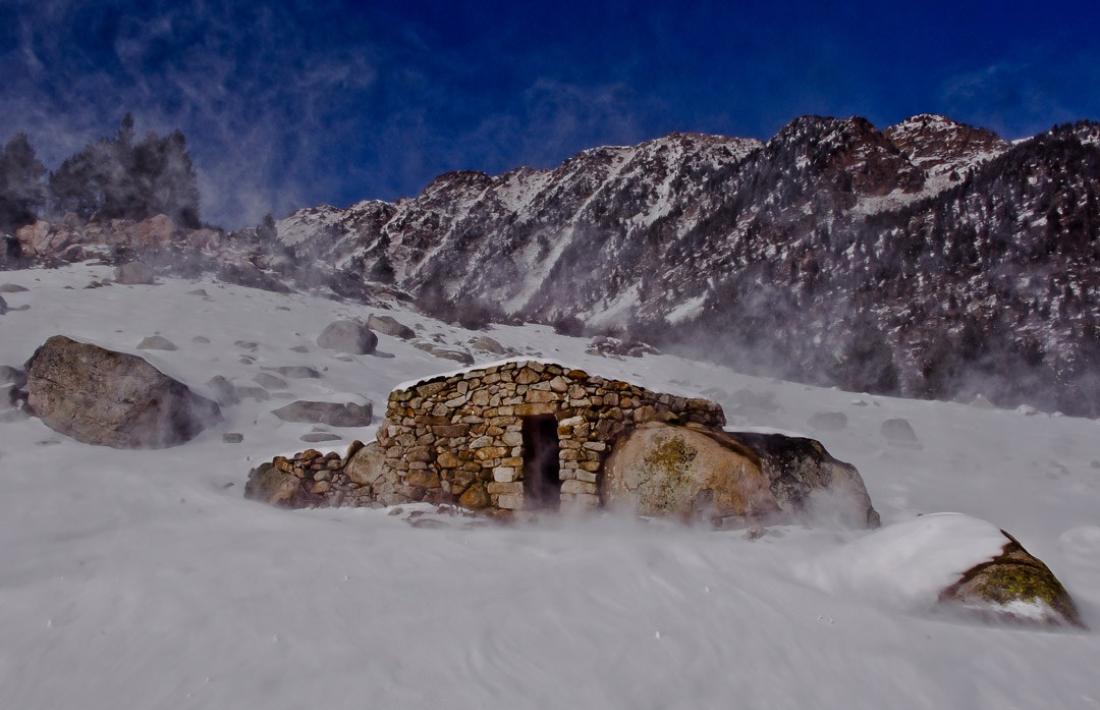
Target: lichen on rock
<point>1014,586</point>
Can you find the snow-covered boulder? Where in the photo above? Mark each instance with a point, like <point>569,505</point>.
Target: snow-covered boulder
<point>104,397</point>
<point>945,560</point>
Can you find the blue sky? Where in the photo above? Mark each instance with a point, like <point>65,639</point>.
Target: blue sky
<point>293,104</point>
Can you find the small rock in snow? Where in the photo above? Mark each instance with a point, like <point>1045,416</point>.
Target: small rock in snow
<point>828,421</point>
<point>899,432</point>
<point>269,381</point>
<point>156,342</point>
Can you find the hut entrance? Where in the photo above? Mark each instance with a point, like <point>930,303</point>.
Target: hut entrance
<point>541,485</point>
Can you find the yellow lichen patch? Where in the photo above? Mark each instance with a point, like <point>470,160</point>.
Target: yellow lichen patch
<point>1014,576</point>
<point>666,469</point>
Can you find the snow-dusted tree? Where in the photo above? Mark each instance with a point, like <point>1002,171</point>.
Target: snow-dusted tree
<point>22,191</point>
<point>120,178</point>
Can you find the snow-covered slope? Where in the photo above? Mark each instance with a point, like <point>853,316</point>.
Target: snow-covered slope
<point>143,578</point>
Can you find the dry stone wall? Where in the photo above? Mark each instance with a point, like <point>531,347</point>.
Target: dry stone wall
<point>460,437</point>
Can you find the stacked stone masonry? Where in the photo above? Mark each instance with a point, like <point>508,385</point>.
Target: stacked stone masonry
<point>459,438</point>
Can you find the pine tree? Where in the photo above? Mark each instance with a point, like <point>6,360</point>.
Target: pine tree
<point>22,192</point>
<point>117,178</point>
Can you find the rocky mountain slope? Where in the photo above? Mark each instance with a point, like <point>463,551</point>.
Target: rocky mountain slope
<point>929,258</point>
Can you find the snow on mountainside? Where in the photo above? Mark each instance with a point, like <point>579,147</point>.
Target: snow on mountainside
<point>927,259</point>
<point>138,578</point>
<point>918,237</point>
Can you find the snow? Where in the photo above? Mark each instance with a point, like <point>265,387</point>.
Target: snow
<point>143,579</point>
<point>688,309</point>
<point>617,309</point>
<point>907,564</point>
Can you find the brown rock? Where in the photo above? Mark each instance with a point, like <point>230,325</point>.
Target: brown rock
<point>1014,576</point>
<point>475,497</point>
<point>665,470</point>
<point>333,414</point>
<point>271,485</point>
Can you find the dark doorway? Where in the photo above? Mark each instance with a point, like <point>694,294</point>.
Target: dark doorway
<point>541,485</point>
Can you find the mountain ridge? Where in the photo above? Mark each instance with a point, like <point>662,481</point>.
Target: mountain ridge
<point>928,258</point>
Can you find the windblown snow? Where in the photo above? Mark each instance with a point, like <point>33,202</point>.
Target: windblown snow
<point>143,579</point>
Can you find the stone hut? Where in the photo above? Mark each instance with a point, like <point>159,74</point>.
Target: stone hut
<point>524,434</point>
<point>528,435</point>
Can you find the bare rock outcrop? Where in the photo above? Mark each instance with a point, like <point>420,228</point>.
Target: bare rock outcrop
<point>100,396</point>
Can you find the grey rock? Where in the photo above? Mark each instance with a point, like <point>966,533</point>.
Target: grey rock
<point>3,306</point>
<point>805,477</point>
<point>257,393</point>
<point>828,421</point>
<point>249,276</point>
<point>156,342</point>
<point>487,344</point>
<point>348,336</point>
<point>331,413</point>
<point>390,326</point>
<point>269,381</point>
<point>232,438</point>
<point>134,272</point>
<point>300,349</point>
<point>899,432</point>
<point>12,376</point>
<point>296,372</point>
<point>12,288</point>
<point>317,437</point>
<point>100,396</point>
<point>614,347</point>
<point>446,353</point>
<point>225,393</point>
<point>246,345</point>
<point>201,340</point>
<point>750,402</point>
